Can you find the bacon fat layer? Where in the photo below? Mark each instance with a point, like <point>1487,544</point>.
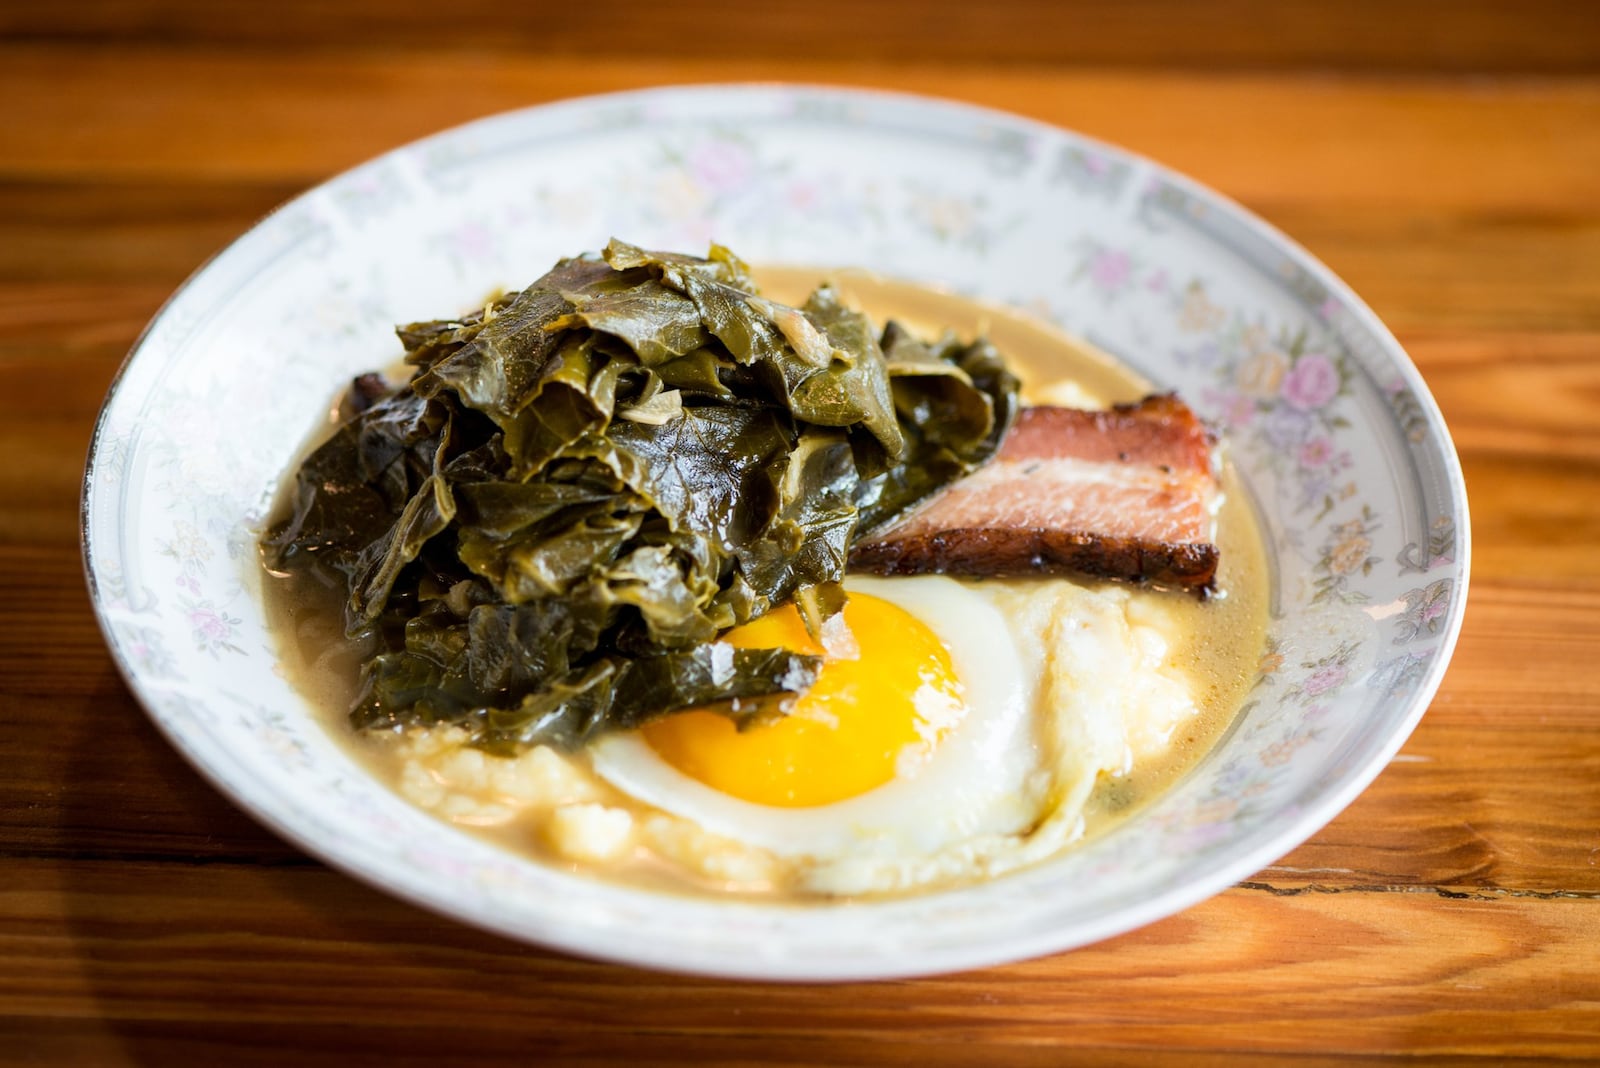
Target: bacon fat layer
<point>1129,493</point>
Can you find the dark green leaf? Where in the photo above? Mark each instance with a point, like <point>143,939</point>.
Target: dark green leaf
<point>588,480</point>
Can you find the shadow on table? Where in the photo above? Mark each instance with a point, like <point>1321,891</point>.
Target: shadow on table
<point>202,936</point>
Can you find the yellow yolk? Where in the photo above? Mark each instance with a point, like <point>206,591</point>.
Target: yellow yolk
<point>875,712</point>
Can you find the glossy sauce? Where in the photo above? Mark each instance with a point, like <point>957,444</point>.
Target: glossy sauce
<point>1221,639</point>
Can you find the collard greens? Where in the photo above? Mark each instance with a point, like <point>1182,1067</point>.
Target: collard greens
<point>544,531</point>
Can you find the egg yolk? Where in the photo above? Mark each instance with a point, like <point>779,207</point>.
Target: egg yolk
<point>886,695</point>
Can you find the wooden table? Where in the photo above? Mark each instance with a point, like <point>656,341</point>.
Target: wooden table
<point>1446,163</point>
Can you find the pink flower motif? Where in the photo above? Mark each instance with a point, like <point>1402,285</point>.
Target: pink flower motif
<point>802,195</point>
<point>1110,269</point>
<point>1316,452</point>
<point>1157,282</point>
<point>1349,555</point>
<point>1278,753</point>
<point>475,241</point>
<point>1232,409</point>
<point>209,624</point>
<point>1311,383</point>
<point>1324,679</point>
<point>721,166</point>
<point>1239,411</point>
<point>1203,836</point>
<point>1329,308</point>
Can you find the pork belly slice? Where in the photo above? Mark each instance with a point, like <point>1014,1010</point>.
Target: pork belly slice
<point>1130,493</point>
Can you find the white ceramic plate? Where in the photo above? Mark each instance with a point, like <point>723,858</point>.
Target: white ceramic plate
<point>1335,432</point>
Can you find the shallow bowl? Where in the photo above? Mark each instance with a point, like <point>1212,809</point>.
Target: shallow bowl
<point>1350,466</point>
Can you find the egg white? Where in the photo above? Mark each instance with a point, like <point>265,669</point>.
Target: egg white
<point>1064,684</point>
<point>982,780</point>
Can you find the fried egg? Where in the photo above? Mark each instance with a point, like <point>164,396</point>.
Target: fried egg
<point>918,735</point>
<point>957,731</point>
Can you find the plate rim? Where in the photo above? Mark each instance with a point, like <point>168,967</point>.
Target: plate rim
<point>1276,840</point>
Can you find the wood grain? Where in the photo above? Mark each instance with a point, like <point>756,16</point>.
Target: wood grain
<point>297,117</point>
<point>1443,158</point>
<point>1433,35</point>
<point>1432,970</point>
<point>1478,801</point>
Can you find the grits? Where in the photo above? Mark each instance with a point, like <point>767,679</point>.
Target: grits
<point>1124,689</point>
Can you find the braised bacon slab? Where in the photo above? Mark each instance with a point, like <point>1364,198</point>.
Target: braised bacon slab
<point>1129,493</point>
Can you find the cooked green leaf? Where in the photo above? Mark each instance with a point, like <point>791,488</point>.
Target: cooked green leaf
<point>587,481</point>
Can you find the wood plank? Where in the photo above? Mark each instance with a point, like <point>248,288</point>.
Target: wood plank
<point>1443,157</point>
<point>60,346</point>
<point>105,784</point>
<point>1342,973</point>
<point>1424,269</point>
<point>1483,35</point>
<point>1515,394</point>
<point>55,651</point>
<point>1519,406</point>
<point>45,1040</point>
<point>49,1040</point>
<point>1495,787</point>
<point>295,117</point>
<point>1428,269</point>
<point>137,235</point>
<point>1494,790</point>
<point>1533,520</point>
<point>1507,394</point>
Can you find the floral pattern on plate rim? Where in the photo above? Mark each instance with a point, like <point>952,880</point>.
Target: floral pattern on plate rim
<point>1351,470</point>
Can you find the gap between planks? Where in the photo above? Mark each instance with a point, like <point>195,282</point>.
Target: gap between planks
<point>1508,144</point>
